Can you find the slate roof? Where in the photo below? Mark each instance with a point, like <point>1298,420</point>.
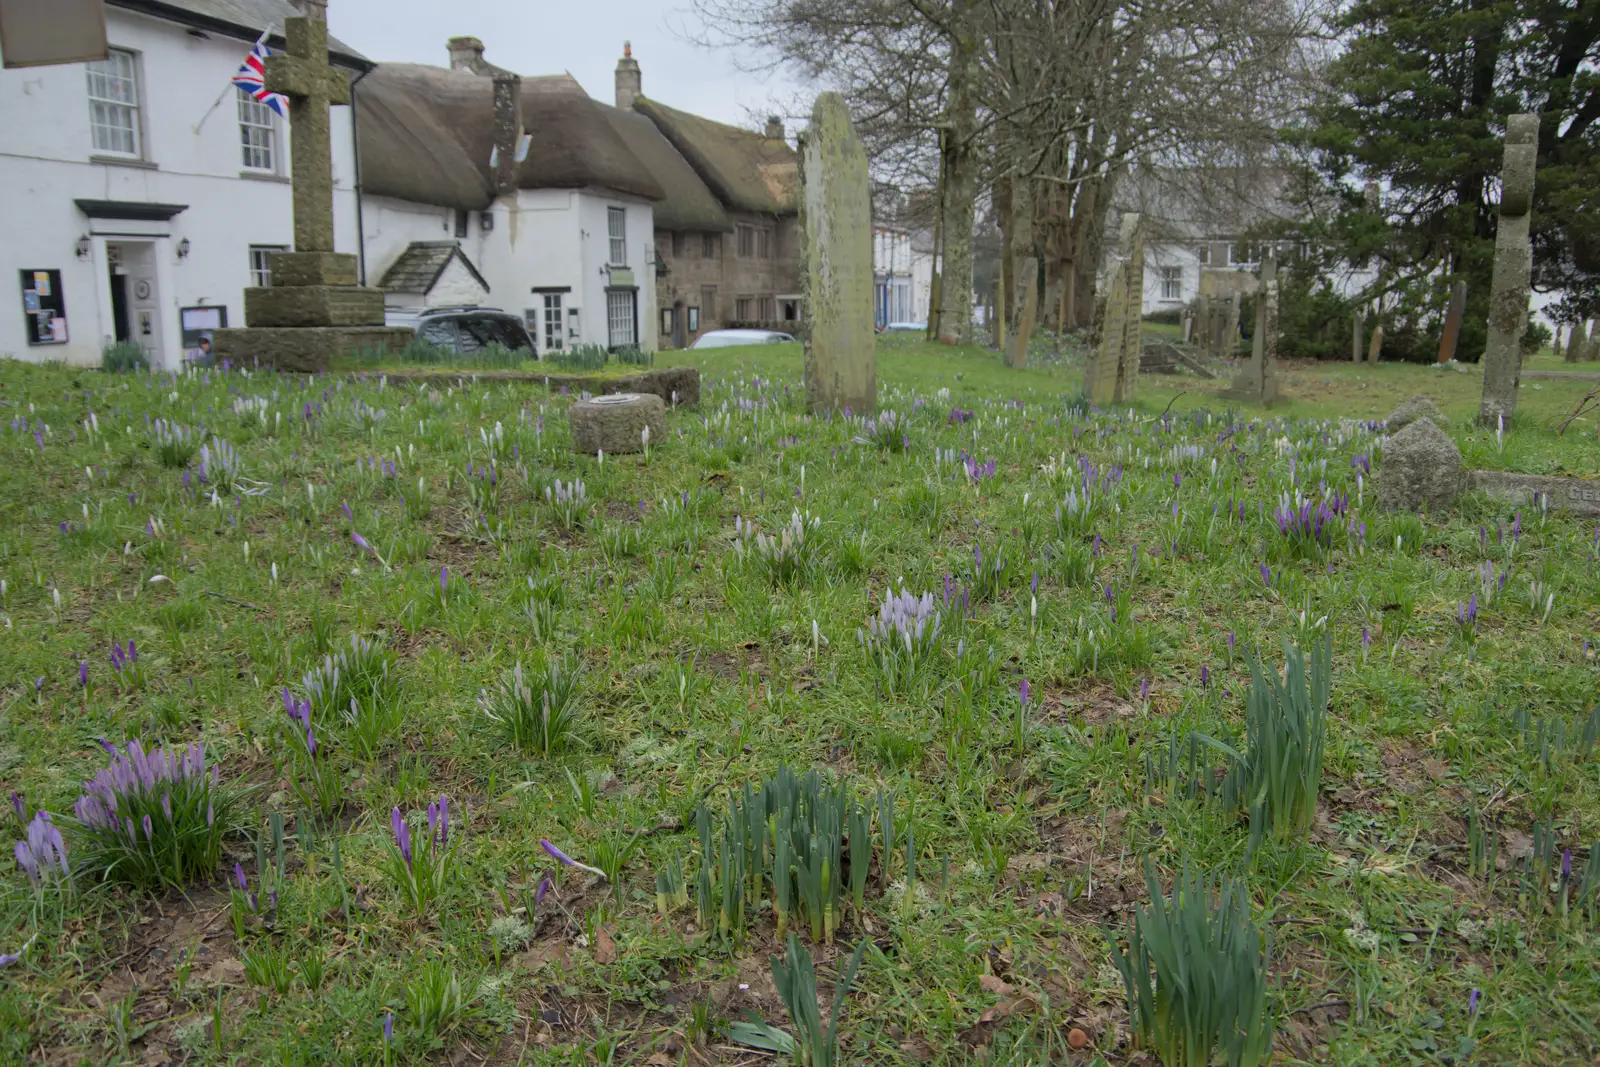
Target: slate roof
<point>747,171</point>
<point>689,204</point>
<point>243,19</point>
<point>421,264</point>
<point>427,134</point>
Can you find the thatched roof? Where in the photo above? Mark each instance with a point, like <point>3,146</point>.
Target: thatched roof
<point>746,170</point>
<point>420,265</point>
<point>689,205</point>
<point>427,134</point>
<point>243,20</point>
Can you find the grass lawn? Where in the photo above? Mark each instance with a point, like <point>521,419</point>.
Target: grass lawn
<point>367,595</point>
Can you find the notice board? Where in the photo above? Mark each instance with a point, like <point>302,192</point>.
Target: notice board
<point>44,307</point>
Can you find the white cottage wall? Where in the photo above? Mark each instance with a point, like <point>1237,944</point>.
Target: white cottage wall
<point>190,156</point>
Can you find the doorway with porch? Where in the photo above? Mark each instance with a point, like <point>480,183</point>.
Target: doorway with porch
<point>135,301</point>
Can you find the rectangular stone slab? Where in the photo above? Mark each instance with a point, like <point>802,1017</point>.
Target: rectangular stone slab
<point>1579,497</point>
<point>313,305</point>
<point>313,268</point>
<point>305,349</point>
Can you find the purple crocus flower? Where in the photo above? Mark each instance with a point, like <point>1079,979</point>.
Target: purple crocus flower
<point>439,819</point>
<point>1205,676</point>
<point>1472,1004</point>
<point>83,673</point>
<point>8,958</point>
<point>538,896</point>
<point>1024,692</point>
<point>1230,644</point>
<point>567,860</point>
<point>388,1027</point>
<point>1266,574</point>
<point>444,580</point>
<point>1144,689</point>
<point>1566,866</point>
<point>238,876</point>
<point>361,542</point>
<point>402,835</point>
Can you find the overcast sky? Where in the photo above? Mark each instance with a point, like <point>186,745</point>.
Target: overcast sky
<point>582,37</point>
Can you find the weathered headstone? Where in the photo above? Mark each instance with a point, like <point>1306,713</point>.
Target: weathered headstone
<point>1513,262</point>
<point>616,423</point>
<point>1420,468</point>
<point>1108,378</point>
<point>836,241</point>
<point>1375,349</point>
<point>1578,497</point>
<point>1258,382</point>
<point>1418,407</point>
<point>1452,322</point>
<point>1028,280</point>
<point>1357,328</point>
<point>1229,346</point>
<point>315,310</point>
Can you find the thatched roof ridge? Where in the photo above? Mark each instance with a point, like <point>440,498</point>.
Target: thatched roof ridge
<point>748,171</point>
<point>689,205</point>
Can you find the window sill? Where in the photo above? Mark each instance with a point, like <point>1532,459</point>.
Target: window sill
<point>124,161</point>
<point>263,176</point>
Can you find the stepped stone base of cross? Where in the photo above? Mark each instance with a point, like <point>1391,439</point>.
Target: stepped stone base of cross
<point>315,310</point>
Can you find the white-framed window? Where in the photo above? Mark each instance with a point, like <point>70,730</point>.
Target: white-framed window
<point>617,228</point>
<point>620,317</point>
<point>114,104</point>
<point>1203,255</point>
<point>1172,283</point>
<point>1244,254</point>
<point>258,134</point>
<point>694,320</point>
<point>554,331</point>
<point>666,320</point>
<point>261,264</point>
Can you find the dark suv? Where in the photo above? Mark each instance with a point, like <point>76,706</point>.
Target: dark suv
<point>466,330</point>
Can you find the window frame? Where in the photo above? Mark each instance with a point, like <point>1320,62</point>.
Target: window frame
<point>1171,281</point>
<point>692,322</point>
<point>763,242</point>
<point>256,116</point>
<point>630,302</point>
<point>134,107</point>
<point>463,224</point>
<point>617,234</point>
<point>261,276</point>
<point>742,308</point>
<point>552,322</point>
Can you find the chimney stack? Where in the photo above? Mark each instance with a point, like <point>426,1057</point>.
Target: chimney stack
<point>774,127</point>
<point>507,130</point>
<point>630,82</point>
<point>466,53</point>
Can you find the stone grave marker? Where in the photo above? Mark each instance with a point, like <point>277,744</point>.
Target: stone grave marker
<point>1418,407</point>
<point>1258,382</point>
<point>1375,349</point>
<point>314,309</point>
<point>1579,497</point>
<point>836,243</point>
<point>1112,370</point>
<point>616,423</point>
<point>1513,262</point>
<point>1420,469</point>
<point>1452,322</point>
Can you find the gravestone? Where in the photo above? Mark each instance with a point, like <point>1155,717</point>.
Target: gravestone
<point>1112,369</point>
<point>1452,322</point>
<point>1375,349</point>
<point>836,249</point>
<point>615,423</point>
<point>315,310</point>
<point>1420,468</point>
<point>1418,407</point>
<point>1513,262</point>
<point>1258,382</point>
<point>1358,323</point>
<point>1578,497</point>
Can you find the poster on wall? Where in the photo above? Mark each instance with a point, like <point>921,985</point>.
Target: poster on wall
<point>44,307</point>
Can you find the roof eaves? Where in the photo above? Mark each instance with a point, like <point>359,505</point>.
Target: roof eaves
<point>342,56</point>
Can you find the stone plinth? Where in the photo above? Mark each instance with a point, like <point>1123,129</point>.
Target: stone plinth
<point>305,349</point>
<point>1579,497</point>
<point>616,423</point>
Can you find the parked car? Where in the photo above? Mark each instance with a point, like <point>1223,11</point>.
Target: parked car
<point>464,331</point>
<point>734,338</point>
<point>906,327</point>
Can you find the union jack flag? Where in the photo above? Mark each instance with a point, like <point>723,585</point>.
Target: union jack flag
<point>252,78</point>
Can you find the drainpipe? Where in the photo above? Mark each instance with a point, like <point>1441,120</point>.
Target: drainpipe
<point>355,139</point>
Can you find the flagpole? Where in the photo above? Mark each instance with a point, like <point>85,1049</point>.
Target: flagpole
<point>222,95</point>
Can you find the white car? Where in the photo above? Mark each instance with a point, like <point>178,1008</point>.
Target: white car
<point>736,338</point>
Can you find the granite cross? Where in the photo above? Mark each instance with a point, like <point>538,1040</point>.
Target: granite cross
<point>303,75</point>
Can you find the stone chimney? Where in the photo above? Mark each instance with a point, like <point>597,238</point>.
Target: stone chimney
<point>466,53</point>
<point>630,82</point>
<point>774,127</point>
<point>507,130</point>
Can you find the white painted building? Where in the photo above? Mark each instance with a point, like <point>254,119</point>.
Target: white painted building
<point>902,265</point>
<point>1172,269</point>
<point>563,236</point>
<point>130,207</point>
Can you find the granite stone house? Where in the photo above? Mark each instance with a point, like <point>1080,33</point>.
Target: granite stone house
<point>726,237</point>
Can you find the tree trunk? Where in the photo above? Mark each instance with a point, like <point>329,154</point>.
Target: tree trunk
<point>960,165</point>
<point>935,310</point>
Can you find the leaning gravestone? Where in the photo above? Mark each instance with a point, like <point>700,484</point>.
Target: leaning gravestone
<point>1420,469</point>
<point>617,423</point>
<point>1109,377</point>
<point>1578,497</point>
<point>1418,407</point>
<point>1513,262</point>
<point>836,250</point>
